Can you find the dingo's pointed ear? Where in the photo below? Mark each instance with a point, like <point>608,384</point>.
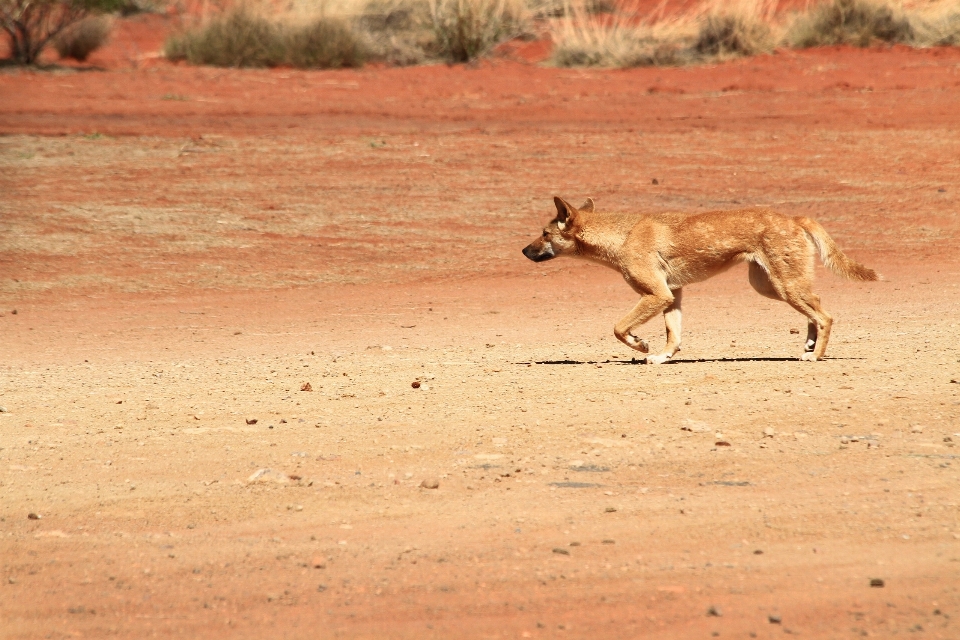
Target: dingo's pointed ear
<point>566,213</point>
<point>587,206</point>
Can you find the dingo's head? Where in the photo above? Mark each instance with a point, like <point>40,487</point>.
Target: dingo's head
<point>558,236</point>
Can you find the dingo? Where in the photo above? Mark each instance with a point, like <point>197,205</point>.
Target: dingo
<point>658,254</point>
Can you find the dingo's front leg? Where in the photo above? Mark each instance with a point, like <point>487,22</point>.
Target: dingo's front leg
<point>649,306</point>
<point>671,318</point>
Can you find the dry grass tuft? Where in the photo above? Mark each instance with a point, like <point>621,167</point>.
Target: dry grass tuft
<point>607,33</point>
<point>398,32</point>
<point>708,32</point>
<point>466,29</point>
<point>239,38</point>
<point>937,24</point>
<point>244,38</point>
<point>83,38</point>
<point>593,44</point>
<point>854,22</point>
<point>618,39</point>
<point>731,34</point>
<point>323,44</point>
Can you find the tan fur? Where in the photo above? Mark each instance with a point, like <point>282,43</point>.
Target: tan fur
<point>658,254</point>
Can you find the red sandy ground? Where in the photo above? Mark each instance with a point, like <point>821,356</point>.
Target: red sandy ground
<point>186,247</point>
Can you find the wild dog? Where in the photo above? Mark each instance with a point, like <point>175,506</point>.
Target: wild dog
<point>658,254</point>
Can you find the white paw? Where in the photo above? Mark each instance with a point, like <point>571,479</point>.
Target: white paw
<point>657,359</point>
<point>808,357</point>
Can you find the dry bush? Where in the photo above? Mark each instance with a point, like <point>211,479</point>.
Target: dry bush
<point>244,38</point>
<point>710,31</point>
<point>729,34</point>
<point>585,43</point>
<point>239,38</point>
<point>327,43</point>
<point>936,24</point>
<point>31,25</point>
<point>620,39</point>
<point>855,22</point>
<point>398,32</point>
<point>466,29</point>
<point>414,31</point>
<point>83,38</point>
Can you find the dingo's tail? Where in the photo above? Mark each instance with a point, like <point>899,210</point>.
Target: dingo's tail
<point>830,253</point>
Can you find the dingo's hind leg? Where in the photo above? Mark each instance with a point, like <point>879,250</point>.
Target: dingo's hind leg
<point>792,282</point>
<point>820,322</point>
<point>811,336</point>
<point>760,281</point>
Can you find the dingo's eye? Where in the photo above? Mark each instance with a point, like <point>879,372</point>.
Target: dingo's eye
<point>546,234</point>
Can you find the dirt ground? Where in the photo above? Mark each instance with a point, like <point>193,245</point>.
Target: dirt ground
<point>182,250</point>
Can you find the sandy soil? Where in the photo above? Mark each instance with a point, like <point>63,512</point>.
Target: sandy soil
<point>186,248</point>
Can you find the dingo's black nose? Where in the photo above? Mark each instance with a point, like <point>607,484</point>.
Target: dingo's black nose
<point>539,255</point>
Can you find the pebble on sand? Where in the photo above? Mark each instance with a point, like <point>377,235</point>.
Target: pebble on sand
<point>251,421</point>
<point>415,384</point>
<point>877,583</point>
<point>430,483</point>
<point>561,551</point>
<point>695,426</point>
<point>33,516</point>
<point>714,611</point>
<point>268,475</point>
<point>306,387</point>
<point>610,510</point>
<point>774,619</point>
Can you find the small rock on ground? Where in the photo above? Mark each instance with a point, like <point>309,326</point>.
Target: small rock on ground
<point>267,476</point>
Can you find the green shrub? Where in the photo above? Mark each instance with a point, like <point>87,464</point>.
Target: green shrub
<point>854,22</point>
<point>83,38</point>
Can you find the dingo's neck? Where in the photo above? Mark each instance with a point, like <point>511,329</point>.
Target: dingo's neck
<point>602,242</point>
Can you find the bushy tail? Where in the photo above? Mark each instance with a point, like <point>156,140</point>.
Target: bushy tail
<point>832,257</point>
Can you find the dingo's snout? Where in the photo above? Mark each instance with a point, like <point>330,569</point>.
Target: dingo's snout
<point>539,251</point>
